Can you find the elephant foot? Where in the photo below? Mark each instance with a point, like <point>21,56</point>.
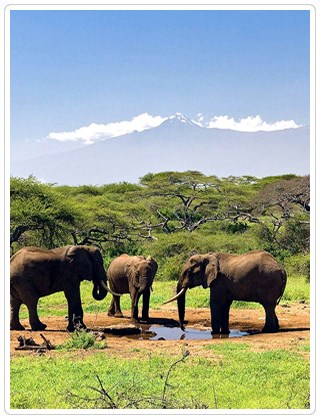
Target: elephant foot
<point>216,332</point>
<point>17,327</point>
<point>146,319</point>
<point>77,327</point>
<point>118,315</point>
<point>38,327</point>
<point>267,329</point>
<point>134,320</point>
<point>110,313</point>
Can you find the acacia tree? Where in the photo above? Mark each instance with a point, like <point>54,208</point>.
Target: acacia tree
<point>106,222</point>
<point>286,204</point>
<point>37,215</point>
<point>187,200</point>
<point>285,195</point>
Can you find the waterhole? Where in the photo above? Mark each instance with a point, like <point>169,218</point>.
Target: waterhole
<point>166,333</point>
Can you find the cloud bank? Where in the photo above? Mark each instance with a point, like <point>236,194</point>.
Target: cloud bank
<point>249,124</point>
<point>96,132</point>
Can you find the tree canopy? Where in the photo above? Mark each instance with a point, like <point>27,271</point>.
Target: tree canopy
<point>273,212</point>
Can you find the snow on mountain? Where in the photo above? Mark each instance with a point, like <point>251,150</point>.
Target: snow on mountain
<point>177,144</point>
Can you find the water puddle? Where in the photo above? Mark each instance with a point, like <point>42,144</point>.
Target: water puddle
<point>155,332</point>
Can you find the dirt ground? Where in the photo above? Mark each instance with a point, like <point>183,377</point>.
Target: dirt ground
<point>294,331</point>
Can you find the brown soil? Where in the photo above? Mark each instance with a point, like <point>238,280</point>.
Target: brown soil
<point>294,331</point>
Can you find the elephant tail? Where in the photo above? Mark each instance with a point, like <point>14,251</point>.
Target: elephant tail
<point>284,282</point>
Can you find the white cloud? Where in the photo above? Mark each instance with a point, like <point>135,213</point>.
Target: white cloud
<point>249,124</point>
<point>95,132</point>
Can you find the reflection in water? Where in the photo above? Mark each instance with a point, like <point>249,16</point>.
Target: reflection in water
<point>154,332</point>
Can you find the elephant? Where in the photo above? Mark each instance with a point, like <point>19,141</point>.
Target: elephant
<point>254,276</point>
<point>134,275</point>
<point>37,272</point>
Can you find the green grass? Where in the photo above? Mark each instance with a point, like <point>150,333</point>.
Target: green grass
<point>229,377</point>
<point>298,289</point>
<point>226,375</point>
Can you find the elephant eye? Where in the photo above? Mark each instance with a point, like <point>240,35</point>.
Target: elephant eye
<point>196,268</point>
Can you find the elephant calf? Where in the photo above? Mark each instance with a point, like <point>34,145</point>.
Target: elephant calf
<point>255,276</point>
<point>134,275</point>
<point>36,272</point>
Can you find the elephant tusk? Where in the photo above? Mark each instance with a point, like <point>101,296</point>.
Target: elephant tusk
<point>109,290</point>
<point>183,290</point>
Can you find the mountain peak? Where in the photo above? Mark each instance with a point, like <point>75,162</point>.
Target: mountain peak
<point>182,118</point>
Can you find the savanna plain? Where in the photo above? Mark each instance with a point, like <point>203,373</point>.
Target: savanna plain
<point>258,371</point>
<point>96,370</point>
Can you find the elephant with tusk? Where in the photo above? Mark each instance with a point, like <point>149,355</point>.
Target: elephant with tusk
<point>134,275</point>
<point>37,272</point>
<point>255,276</point>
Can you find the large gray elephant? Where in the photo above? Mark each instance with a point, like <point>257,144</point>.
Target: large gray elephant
<point>134,275</point>
<point>37,272</point>
<point>255,276</point>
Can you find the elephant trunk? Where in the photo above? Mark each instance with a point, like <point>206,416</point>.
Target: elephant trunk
<point>144,284</point>
<point>137,297</point>
<point>99,292</point>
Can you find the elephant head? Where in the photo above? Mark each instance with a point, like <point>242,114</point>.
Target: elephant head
<point>141,272</point>
<point>88,262</point>
<point>199,270</point>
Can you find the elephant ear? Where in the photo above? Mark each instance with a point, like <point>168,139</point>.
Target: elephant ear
<point>131,271</point>
<point>211,268</point>
<point>80,261</point>
<point>153,263</point>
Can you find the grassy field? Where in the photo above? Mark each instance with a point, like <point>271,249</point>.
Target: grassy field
<point>224,375</point>
<point>230,377</point>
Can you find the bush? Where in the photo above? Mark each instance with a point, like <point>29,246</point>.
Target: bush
<point>82,339</point>
<point>298,265</point>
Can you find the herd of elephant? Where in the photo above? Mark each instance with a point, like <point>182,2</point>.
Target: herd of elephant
<point>34,272</point>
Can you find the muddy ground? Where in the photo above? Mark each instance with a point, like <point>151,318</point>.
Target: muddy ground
<point>294,331</point>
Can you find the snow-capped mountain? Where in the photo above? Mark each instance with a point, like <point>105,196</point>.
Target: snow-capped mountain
<point>181,118</point>
<point>177,144</point>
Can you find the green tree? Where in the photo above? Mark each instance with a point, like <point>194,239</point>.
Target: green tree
<point>38,216</point>
<point>187,200</point>
<point>283,206</point>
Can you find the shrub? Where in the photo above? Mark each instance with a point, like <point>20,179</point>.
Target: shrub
<point>82,339</point>
<point>298,265</point>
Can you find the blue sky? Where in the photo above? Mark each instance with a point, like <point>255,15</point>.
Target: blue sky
<point>70,69</point>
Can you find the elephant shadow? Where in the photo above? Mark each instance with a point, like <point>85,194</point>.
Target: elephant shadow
<point>284,330</point>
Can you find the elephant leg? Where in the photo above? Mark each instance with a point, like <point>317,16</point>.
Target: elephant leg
<point>271,321</point>
<point>30,298</point>
<point>219,308</point>
<point>117,308</point>
<point>134,306</point>
<point>145,307</point>
<point>15,304</point>
<point>215,310</point>
<point>35,323</point>
<point>112,310</point>
<point>215,318</point>
<point>75,311</point>
<point>225,310</point>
